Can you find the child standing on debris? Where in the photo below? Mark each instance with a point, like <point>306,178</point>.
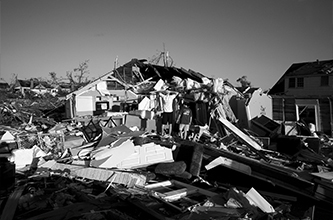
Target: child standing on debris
<point>167,107</point>
<point>184,119</point>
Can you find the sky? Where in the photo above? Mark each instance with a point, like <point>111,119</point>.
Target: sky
<point>225,39</point>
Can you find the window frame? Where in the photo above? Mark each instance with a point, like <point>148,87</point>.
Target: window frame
<point>327,82</point>
<point>300,82</point>
<point>292,84</point>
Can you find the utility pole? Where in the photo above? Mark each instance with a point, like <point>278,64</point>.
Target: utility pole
<point>115,64</point>
<point>165,60</point>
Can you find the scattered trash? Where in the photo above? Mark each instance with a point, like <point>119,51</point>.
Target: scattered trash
<point>118,165</point>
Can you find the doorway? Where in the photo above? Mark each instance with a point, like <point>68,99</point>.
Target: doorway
<point>307,111</point>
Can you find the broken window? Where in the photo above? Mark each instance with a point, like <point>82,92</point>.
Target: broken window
<point>324,81</point>
<point>307,114</point>
<point>114,85</point>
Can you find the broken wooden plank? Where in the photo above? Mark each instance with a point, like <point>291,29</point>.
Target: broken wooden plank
<point>245,138</point>
<point>240,134</point>
<point>183,189</point>
<point>203,212</point>
<point>274,175</point>
<point>324,175</point>
<point>232,164</point>
<point>10,208</point>
<point>255,198</point>
<point>127,178</point>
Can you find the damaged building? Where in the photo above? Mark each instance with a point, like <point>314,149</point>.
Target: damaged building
<point>109,159</point>
<point>304,94</point>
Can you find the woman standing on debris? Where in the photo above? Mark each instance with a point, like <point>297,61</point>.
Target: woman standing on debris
<point>167,107</point>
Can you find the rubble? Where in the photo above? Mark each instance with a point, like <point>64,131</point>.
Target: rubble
<point>94,168</point>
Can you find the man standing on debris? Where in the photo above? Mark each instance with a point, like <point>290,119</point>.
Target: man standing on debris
<point>184,119</point>
<point>167,107</point>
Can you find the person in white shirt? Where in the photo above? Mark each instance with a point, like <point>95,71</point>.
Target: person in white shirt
<point>168,111</point>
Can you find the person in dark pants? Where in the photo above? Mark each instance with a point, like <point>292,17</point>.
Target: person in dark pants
<point>168,111</point>
<point>184,120</point>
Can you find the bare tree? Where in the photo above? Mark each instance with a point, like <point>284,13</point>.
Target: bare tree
<point>54,79</point>
<point>13,79</point>
<point>79,75</point>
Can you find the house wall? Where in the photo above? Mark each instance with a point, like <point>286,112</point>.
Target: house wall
<point>85,102</point>
<point>284,110</point>
<point>311,87</point>
<point>260,104</point>
<point>85,105</point>
<point>326,116</point>
<point>118,95</point>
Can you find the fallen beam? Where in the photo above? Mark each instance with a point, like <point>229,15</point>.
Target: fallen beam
<point>245,138</point>
<point>10,208</point>
<point>127,178</point>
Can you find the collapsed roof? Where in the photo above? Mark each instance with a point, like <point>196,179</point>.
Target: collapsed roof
<point>138,70</point>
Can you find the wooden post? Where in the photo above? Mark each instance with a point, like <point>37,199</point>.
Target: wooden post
<point>124,74</point>
<point>331,114</point>
<point>12,202</point>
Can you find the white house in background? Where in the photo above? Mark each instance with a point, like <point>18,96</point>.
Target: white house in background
<point>42,88</point>
<point>104,93</point>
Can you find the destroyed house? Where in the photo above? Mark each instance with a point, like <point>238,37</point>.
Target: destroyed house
<point>3,84</point>
<point>205,96</point>
<point>304,94</point>
<point>137,83</point>
<point>110,171</point>
<point>41,87</point>
<point>100,95</point>
<point>119,86</point>
<point>22,85</point>
<point>61,89</point>
<point>33,85</point>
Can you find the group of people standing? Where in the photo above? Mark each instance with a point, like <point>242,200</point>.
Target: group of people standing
<point>183,117</point>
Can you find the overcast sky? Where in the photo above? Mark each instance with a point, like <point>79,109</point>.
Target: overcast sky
<point>221,38</point>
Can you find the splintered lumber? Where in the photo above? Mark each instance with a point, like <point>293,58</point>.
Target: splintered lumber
<point>129,179</point>
<point>10,208</point>
<point>202,212</point>
<point>280,176</point>
<point>251,143</point>
<point>245,138</point>
<point>259,201</point>
<point>232,164</point>
<point>171,190</point>
<point>67,212</point>
<point>170,199</point>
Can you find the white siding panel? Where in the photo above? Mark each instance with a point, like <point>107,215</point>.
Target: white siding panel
<point>146,155</point>
<point>84,103</point>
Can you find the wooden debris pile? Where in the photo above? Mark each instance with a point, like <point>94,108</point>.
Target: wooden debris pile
<point>94,168</point>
